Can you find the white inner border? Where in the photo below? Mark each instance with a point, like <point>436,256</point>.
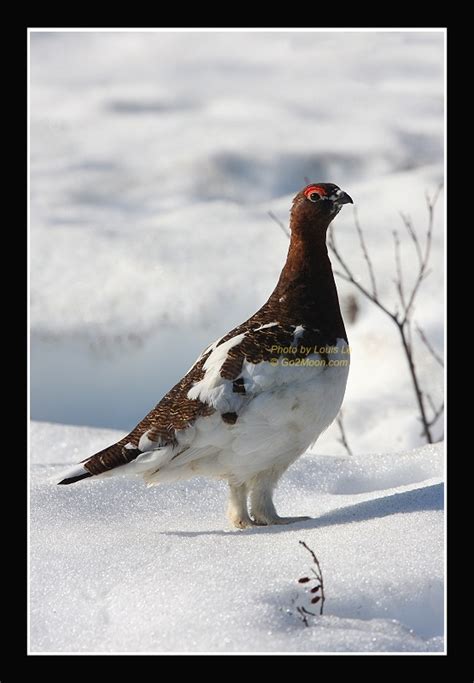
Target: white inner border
<point>224,30</point>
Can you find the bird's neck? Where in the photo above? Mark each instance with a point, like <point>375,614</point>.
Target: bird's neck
<point>306,291</point>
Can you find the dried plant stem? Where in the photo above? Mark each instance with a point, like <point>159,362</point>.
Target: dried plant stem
<point>365,253</point>
<point>343,440</point>
<point>402,319</point>
<point>318,574</point>
<point>425,341</point>
<point>280,223</point>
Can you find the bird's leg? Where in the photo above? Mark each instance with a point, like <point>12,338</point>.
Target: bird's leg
<point>237,508</point>
<point>261,504</point>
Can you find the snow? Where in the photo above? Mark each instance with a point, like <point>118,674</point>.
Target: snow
<point>155,158</point>
<point>119,567</point>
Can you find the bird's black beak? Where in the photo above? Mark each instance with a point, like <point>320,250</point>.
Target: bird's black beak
<point>343,198</point>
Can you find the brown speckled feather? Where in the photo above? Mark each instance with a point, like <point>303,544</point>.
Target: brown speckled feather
<point>174,412</point>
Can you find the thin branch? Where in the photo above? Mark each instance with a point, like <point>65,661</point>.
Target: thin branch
<point>403,320</point>
<point>409,334</point>
<point>437,412</point>
<point>366,255</point>
<point>414,291</point>
<point>423,272</point>
<point>425,341</point>
<point>311,614</point>
<point>398,264</point>
<point>411,231</point>
<point>343,439</point>
<point>319,573</point>
<point>431,402</point>
<point>304,618</point>
<point>347,275</point>
<point>402,327</point>
<point>279,222</point>
<point>431,201</point>
<point>343,276</point>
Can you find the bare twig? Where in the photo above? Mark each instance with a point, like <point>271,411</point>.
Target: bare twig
<point>423,271</point>
<point>402,328</point>
<point>279,222</point>
<point>319,578</point>
<point>302,611</point>
<point>411,231</point>
<point>303,616</point>
<point>347,275</point>
<point>398,265</point>
<point>437,411</point>
<point>437,414</point>
<point>366,254</point>
<point>431,402</point>
<point>343,439</point>
<point>401,320</point>
<point>425,341</point>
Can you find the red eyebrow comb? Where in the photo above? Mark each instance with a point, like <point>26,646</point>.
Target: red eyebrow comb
<point>315,188</point>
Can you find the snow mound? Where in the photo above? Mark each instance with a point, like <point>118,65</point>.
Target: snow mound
<point>118,567</point>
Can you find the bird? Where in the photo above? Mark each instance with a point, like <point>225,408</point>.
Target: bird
<point>258,397</point>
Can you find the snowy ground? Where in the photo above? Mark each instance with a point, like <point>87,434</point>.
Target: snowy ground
<point>154,161</point>
<point>116,566</point>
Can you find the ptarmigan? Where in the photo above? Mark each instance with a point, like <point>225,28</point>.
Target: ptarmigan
<point>259,396</point>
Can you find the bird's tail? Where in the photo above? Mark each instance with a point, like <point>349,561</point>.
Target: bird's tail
<point>78,473</point>
<point>116,455</point>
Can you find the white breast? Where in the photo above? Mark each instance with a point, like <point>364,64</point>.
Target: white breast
<point>295,404</point>
<point>287,405</point>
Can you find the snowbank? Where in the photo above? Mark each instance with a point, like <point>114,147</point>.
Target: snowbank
<point>118,567</point>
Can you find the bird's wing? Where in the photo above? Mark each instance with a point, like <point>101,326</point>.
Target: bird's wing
<point>224,379</point>
<point>249,361</point>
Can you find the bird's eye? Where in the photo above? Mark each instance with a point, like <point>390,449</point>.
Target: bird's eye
<point>314,193</point>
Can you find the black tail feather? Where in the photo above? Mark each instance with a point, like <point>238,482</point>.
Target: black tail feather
<point>107,459</point>
<point>72,480</point>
